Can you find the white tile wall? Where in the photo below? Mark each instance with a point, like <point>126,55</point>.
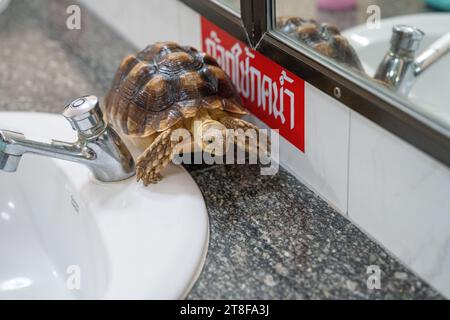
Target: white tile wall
<point>146,21</point>
<point>401,197</point>
<point>190,33</point>
<point>323,167</point>
<point>393,191</point>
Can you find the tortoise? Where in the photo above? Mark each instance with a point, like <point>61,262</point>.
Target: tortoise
<point>322,37</point>
<point>165,87</point>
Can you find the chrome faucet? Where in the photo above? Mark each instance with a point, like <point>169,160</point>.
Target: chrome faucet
<point>400,68</point>
<point>98,146</point>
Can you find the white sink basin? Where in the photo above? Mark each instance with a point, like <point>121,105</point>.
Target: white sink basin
<point>431,92</point>
<point>64,235</point>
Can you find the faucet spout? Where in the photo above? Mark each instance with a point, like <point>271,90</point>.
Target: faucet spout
<point>8,160</point>
<point>98,146</point>
<point>14,145</point>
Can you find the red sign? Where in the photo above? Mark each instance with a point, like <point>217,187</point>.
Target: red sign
<point>272,93</point>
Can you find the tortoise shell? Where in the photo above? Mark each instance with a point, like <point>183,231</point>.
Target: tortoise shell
<point>165,83</point>
<point>323,38</point>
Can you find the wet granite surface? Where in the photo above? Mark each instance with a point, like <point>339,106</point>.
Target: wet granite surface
<point>271,237</point>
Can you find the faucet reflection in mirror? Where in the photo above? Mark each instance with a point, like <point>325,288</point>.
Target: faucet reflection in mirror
<point>400,68</point>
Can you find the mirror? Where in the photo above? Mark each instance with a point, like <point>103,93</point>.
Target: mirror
<point>232,5</point>
<point>400,48</point>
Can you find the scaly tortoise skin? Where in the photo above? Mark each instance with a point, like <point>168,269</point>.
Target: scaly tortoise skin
<point>322,37</point>
<point>168,86</point>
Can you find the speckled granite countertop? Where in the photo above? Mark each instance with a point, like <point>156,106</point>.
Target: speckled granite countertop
<point>271,237</point>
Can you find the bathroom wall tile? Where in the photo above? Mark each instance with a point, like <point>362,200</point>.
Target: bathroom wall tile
<point>189,26</point>
<point>323,167</point>
<point>401,196</point>
<point>141,21</point>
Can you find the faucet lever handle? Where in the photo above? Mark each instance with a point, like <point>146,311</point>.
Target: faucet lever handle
<point>85,115</point>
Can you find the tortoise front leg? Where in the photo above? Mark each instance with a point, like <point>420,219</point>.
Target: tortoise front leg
<point>155,158</point>
<point>234,123</point>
